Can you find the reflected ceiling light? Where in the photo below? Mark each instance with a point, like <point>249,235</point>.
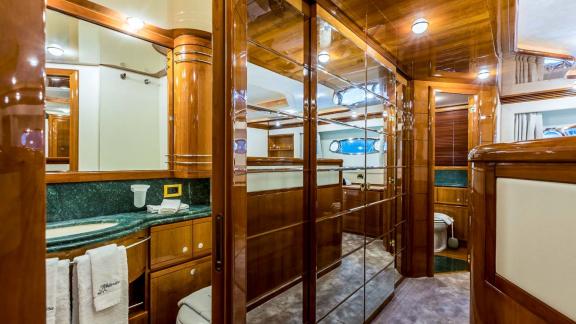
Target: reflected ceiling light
<point>277,124</point>
<point>483,74</point>
<point>574,86</point>
<point>55,50</point>
<point>323,57</point>
<point>419,26</point>
<point>134,24</point>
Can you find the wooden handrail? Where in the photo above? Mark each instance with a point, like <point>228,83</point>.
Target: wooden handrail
<point>561,149</point>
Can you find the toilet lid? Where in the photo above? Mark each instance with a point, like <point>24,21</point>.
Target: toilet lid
<point>437,218</point>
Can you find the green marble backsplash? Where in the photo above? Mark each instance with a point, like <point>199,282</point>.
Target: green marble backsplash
<point>67,201</point>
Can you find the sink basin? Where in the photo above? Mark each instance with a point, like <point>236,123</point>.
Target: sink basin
<point>76,229</point>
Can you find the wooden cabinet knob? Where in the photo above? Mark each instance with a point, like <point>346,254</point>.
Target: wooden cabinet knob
<point>200,245</point>
<point>192,272</point>
<point>185,249</point>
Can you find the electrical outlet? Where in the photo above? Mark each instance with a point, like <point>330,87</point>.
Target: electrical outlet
<point>172,190</point>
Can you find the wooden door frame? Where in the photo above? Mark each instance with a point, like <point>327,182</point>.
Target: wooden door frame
<point>22,189</point>
<point>457,88</point>
<point>74,89</point>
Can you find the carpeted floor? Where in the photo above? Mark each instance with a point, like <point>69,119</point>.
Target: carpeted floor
<point>443,299</point>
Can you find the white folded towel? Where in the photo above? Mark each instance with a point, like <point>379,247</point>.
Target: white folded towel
<point>445,218</point>
<point>169,206</point>
<point>153,209</point>
<point>63,293</point>
<point>51,289</point>
<point>106,263</point>
<point>83,310</point>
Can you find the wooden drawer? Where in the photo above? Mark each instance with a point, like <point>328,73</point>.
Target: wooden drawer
<point>170,244</point>
<point>170,285</point>
<point>452,196</point>
<point>460,215</point>
<point>202,237</point>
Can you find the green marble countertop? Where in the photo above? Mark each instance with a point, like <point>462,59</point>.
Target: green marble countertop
<point>128,223</point>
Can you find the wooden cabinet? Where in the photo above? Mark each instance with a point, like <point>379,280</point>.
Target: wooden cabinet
<point>170,285</point>
<point>202,237</point>
<point>170,244</point>
<point>451,196</point>
<point>281,145</point>
<point>454,203</point>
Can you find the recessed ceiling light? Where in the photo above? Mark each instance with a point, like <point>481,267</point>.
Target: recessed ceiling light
<point>323,57</point>
<point>55,50</point>
<point>134,24</point>
<point>483,74</point>
<point>419,26</point>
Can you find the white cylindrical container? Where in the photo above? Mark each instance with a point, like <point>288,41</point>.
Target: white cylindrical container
<point>139,194</point>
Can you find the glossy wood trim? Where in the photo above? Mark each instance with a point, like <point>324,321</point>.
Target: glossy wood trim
<point>340,20</point>
<point>560,56</point>
<point>68,177</point>
<point>545,150</point>
<point>561,173</point>
<point>228,187</point>
<point>74,113</point>
<point>22,189</point>
<point>539,95</point>
<point>530,302</point>
<point>106,17</point>
<point>264,161</point>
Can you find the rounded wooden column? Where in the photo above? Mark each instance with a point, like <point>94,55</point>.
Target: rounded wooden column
<point>192,68</point>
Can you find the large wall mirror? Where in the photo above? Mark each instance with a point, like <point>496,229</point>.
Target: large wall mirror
<point>106,99</point>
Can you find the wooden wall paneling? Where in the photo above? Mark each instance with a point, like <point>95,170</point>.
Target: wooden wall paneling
<point>22,190</point>
<point>192,105</point>
<point>229,199</point>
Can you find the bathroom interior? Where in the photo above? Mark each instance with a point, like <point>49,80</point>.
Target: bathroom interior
<point>278,161</point>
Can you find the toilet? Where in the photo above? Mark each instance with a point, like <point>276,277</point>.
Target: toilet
<point>196,308</point>
<point>440,231</point>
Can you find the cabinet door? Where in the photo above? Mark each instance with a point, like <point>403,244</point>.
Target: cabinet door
<point>170,285</point>
<point>170,244</point>
<point>452,196</point>
<point>202,237</point>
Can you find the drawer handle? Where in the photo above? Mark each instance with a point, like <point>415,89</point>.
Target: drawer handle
<point>200,245</point>
<point>192,272</point>
<point>185,249</point>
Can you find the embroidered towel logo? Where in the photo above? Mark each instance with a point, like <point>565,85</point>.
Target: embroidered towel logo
<point>105,286</point>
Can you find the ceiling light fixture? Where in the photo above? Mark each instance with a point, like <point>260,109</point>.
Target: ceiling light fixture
<point>483,74</point>
<point>323,57</point>
<point>420,26</point>
<point>55,50</point>
<point>134,24</point>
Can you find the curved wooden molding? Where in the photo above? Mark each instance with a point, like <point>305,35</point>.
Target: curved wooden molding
<point>112,19</point>
<point>545,150</point>
<point>540,95</point>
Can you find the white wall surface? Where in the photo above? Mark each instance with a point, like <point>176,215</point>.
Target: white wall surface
<point>257,142</point>
<point>535,224</point>
<point>129,124</point>
<point>508,111</point>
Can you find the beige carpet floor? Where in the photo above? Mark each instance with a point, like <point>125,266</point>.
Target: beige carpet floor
<point>443,299</point>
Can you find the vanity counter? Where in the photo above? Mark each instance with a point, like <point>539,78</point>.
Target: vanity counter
<point>127,223</point>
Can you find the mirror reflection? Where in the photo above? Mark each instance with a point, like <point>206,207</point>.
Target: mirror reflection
<point>107,98</point>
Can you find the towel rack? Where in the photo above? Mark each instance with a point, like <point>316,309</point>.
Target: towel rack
<point>128,247</point>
